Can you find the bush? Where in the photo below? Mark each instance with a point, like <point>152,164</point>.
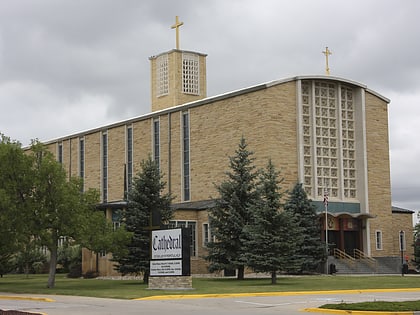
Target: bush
<point>91,274</point>
<point>75,271</point>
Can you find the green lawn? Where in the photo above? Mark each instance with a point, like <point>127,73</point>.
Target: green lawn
<point>128,289</point>
<point>405,306</point>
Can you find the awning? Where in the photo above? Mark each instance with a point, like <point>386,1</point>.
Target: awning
<point>348,215</point>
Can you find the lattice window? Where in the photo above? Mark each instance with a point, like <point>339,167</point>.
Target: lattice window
<point>190,74</point>
<point>307,137</point>
<point>326,133</point>
<point>162,75</point>
<point>348,140</point>
<point>328,140</point>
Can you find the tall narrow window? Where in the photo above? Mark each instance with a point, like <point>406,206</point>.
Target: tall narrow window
<point>129,157</point>
<point>82,159</point>
<point>156,141</point>
<point>206,234</point>
<point>162,75</point>
<point>190,74</point>
<point>378,235</point>
<point>186,156</point>
<point>104,167</point>
<point>402,240</point>
<point>60,153</point>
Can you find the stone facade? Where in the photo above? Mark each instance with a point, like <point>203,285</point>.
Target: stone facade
<point>267,116</point>
<point>170,283</point>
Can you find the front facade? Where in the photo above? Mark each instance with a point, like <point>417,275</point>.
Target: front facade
<point>329,133</point>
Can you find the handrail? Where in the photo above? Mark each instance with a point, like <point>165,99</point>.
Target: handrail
<point>339,254</point>
<point>358,254</point>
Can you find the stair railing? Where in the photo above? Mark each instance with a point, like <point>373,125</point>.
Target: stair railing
<point>347,259</point>
<point>358,254</point>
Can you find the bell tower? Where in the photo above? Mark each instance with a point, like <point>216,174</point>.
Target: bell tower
<point>177,76</point>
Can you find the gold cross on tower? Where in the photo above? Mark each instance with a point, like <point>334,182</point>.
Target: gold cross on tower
<point>327,52</point>
<point>176,26</point>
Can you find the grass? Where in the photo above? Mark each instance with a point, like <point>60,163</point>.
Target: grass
<point>405,306</point>
<point>129,289</point>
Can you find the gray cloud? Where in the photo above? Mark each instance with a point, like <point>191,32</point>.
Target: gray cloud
<point>59,59</point>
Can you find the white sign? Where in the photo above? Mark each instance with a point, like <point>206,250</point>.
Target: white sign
<point>166,267</point>
<point>167,244</point>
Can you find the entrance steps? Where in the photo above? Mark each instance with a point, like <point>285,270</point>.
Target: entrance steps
<point>361,264</point>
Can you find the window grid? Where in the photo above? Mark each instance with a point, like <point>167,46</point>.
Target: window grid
<point>186,156</point>
<point>190,74</point>
<point>402,240</point>
<point>378,238</point>
<point>206,234</point>
<point>187,224</point>
<point>60,153</point>
<point>104,167</point>
<point>162,75</point>
<point>82,158</point>
<point>328,139</point>
<point>129,157</point>
<point>347,130</point>
<point>156,141</point>
<point>307,137</point>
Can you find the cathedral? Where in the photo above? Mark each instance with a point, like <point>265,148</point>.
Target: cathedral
<point>326,132</point>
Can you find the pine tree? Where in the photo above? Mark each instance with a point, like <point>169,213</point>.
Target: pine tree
<point>237,196</point>
<point>273,234</point>
<point>311,250</point>
<point>147,205</point>
<point>416,244</point>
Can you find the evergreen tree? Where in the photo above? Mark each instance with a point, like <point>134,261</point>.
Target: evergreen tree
<point>273,234</point>
<point>237,197</point>
<point>416,244</point>
<point>147,205</point>
<point>311,250</point>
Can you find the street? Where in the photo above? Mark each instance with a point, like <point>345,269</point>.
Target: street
<point>295,303</point>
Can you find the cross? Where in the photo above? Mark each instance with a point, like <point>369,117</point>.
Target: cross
<point>327,52</point>
<point>176,26</point>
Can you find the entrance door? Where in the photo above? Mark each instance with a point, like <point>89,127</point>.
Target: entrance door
<point>351,242</point>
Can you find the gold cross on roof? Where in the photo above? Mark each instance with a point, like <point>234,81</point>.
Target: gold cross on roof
<point>327,52</point>
<point>176,26</point>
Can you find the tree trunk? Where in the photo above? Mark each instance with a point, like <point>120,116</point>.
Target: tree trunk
<point>53,266</point>
<point>146,277</point>
<point>241,273</point>
<point>273,277</point>
<point>97,263</point>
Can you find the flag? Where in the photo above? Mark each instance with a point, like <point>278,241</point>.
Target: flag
<point>326,198</point>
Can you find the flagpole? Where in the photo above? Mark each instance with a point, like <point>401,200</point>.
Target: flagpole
<point>326,224</point>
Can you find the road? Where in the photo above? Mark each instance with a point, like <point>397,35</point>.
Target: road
<point>282,303</point>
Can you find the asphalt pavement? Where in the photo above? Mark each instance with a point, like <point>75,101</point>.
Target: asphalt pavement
<point>269,303</point>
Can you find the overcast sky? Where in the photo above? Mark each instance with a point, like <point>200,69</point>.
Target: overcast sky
<point>71,65</point>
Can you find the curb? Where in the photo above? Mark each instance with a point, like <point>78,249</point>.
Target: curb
<point>330,311</point>
<point>27,298</point>
<point>216,295</point>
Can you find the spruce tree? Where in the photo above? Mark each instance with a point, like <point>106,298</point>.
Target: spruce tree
<point>311,250</point>
<point>237,197</point>
<point>146,202</point>
<point>273,234</point>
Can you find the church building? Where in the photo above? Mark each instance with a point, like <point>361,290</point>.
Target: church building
<point>326,132</point>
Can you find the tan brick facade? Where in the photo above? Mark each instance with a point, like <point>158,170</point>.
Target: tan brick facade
<point>267,116</point>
